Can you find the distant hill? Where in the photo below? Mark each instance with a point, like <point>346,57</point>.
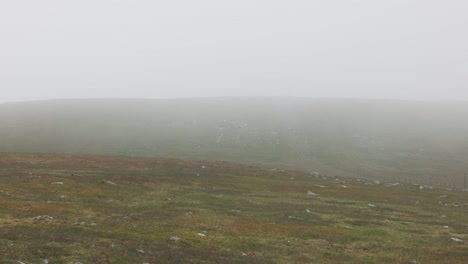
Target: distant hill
<point>414,141</point>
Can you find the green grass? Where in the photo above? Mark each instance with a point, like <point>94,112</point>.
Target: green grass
<point>246,214</point>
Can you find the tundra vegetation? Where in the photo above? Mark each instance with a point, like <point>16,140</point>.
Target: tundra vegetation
<point>57,208</point>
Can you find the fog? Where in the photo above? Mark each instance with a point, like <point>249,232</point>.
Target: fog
<point>401,49</point>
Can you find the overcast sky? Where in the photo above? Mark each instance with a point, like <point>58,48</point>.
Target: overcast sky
<point>404,49</point>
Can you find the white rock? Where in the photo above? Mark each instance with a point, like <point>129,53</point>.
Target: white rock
<point>141,251</point>
<point>309,193</point>
<point>175,238</point>
<point>57,183</point>
<point>372,205</point>
<point>456,239</point>
<point>201,234</point>
<point>110,182</point>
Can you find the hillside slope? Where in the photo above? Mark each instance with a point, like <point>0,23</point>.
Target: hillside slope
<point>97,209</point>
<point>425,142</point>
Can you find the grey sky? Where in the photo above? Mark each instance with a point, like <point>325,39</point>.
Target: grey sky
<point>405,49</point>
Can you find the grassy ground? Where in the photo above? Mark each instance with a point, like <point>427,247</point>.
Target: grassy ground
<point>93,209</point>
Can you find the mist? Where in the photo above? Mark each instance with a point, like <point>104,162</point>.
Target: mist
<point>157,49</point>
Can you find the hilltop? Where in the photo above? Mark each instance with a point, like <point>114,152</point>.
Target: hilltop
<point>407,141</point>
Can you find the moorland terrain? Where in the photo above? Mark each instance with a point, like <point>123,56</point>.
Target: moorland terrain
<point>423,142</point>
<point>62,208</point>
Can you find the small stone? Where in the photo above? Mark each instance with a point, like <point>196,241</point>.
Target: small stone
<point>109,182</point>
<point>141,251</point>
<point>175,238</point>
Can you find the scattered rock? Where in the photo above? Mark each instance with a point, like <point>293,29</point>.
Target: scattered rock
<point>309,193</point>
<point>43,218</point>
<point>372,205</point>
<point>175,238</point>
<point>456,239</point>
<point>189,214</point>
<point>201,234</point>
<point>344,186</point>
<point>109,182</point>
<point>141,251</point>
<point>446,227</point>
<point>294,217</point>
<point>308,211</point>
<point>57,183</point>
